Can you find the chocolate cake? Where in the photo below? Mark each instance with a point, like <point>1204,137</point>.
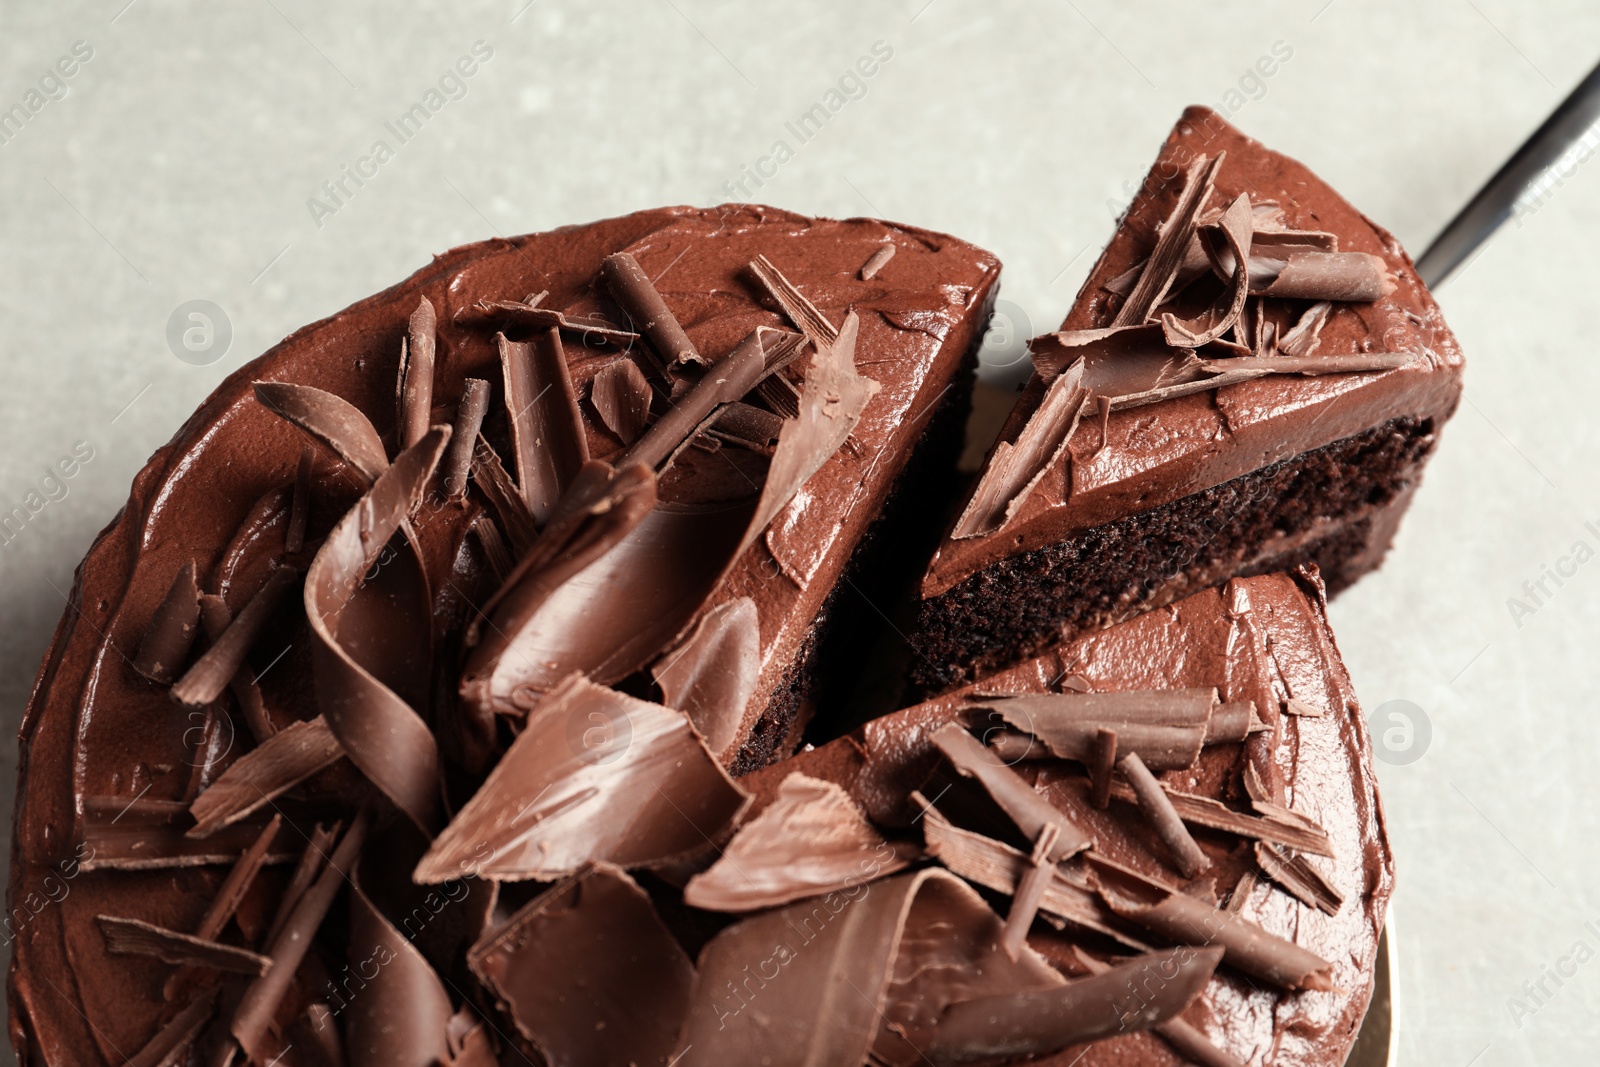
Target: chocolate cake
<point>602,482</point>
<point>1252,377</point>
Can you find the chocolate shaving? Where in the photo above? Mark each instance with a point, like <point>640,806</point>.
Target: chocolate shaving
<point>1103,760</point>
<point>164,1048</point>
<point>776,390</point>
<point>1030,811</point>
<point>1247,367</point>
<point>312,859</point>
<point>259,1004</point>
<point>800,311</point>
<point>1308,275</point>
<point>595,775</point>
<point>810,841</point>
<point>876,262</point>
<point>1234,721</point>
<point>1090,1009</point>
<point>1165,727</point>
<point>621,397</point>
<point>124,834</point>
<point>730,378</point>
<point>414,394</point>
<point>330,420</point>
<point>624,981</point>
<point>383,736</point>
<point>1296,875</point>
<point>1158,809</point>
<point>528,314</point>
<point>631,288</point>
<point>546,429</point>
<point>521,528</point>
<point>172,629</point>
<point>748,425</point>
<point>294,538</point>
<point>1188,1040</point>
<point>260,776</point>
<point>229,895</point>
<point>1302,338</point>
<point>401,1014</point>
<point>1036,879</point>
<point>1298,833</point>
<point>1162,266</point>
<point>470,411</point>
<point>712,675</point>
<point>1014,468</point>
<point>215,617</point>
<point>135,937</point>
<point>204,681</point>
<point>1298,707</point>
<point>1235,228</point>
<point>1185,920</point>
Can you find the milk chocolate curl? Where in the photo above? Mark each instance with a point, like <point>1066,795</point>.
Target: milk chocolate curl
<point>1301,880</point>
<point>520,527</point>
<point>330,420</point>
<point>1348,276</point>
<point>135,937</point>
<point>712,675</point>
<point>546,429</point>
<point>1158,809</point>
<point>215,617</point>
<point>1025,903</point>
<point>1104,762</point>
<point>306,869</point>
<point>1234,721</point>
<point>1188,1040</point>
<point>730,378</point>
<point>204,681</point>
<point>415,394</point>
<point>464,436</point>
<point>172,630</point>
<point>229,894</point>
<point>294,538</point>
<point>801,311</point>
<point>1281,826</point>
<point>633,291</point>
<point>621,397</point>
<point>261,999</point>
<point>1235,228</point>
<point>260,776</point>
<point>870,269</point>
<point>165,1047</point>
<point>527,313</point>
<point>1030,811</point>
<point>1166,727</point>
<point>1164,261</point>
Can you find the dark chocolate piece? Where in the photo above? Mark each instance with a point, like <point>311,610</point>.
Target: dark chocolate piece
<point>546,429</point>
<point>801,311</point>
<point>1040,872</point>
<point>204,681</point>
<point>812,840</point>
<point>712,675</point>
<point>134,834</point>
<point>470,411</point>
<point>229,895</point>
<point>173,1038</point>
<point>1158,809</point>
<point>1313,275</point>
<point>1296,832</point>
<point>621,397</point>
<point>135,937</point>
<point>172,630</point>
<point>633,291</point>
<point>263,774</point>
<point>876,262</point>
<point>1235,226</point>
<point>730,378</point>
<point>414,395</point>
<point>624,981</point>
<point>595,775</point>
<point>309,864</point>
<point>1102,762</point>
<point>330,420</point>
<point>1030,811</point>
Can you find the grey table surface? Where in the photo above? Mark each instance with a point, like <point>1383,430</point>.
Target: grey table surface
<point>182,158</point>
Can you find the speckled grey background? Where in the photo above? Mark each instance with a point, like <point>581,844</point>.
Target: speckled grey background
<point>178,161</point>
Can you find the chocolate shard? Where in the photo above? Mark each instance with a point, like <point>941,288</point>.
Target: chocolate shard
<point>1014,468</point>
<point>1296,832</point>
<point>1295,706</point>
<point>135,937</point>
<point>474,405</point>
<point>824,981</point>
<point>414,392</point>
<point>229,895</point>
<point>495,551</point>
<point>259,1003</point>
<point>996,865</point>
<point>173,1039</point>
<point>713,673</point>
<point>625,981</point>
<point>801,311</point>
<point>595,775</point>
<point>310,863</point>
<point>204,681</point>
<point>521,528</point>
<point>1023,1024</point>
<point>172,630</point>
<point>401,1015</point>
<point>1311,275</point>
<point>1302,338</point>
<point>632,289</point>
<point>1030,811</point>
<point>1162,266</point>
<point>1186,920</point>
<point>1235,227</point>
<point>621,397</point>
<point>263,774</point>
<point>1301,880</point>
<point>1157,807</point>
<point>810,841</point>
<point>546,429</point>
<point>528,313</point>
<point>330,420</point>
<point>215,617</point>
<point>383,736</point>
<point>294,538</point>
<point>1166,727</point>
<point>134,834</point>
<point>1181,1035</point>
<point>876,262</point>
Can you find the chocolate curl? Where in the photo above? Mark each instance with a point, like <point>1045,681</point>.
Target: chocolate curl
<point>135,937</point>
<point>1281,826</point>
<point>1164,261</point>
<point>1301,880</point>
<point>306,868</point>
<point>330,420</point>
<point>215,616</point>
<point>172,630</point>
<point>1025,904</point>
<point>1158,809</point>
<point>414,393</point>
<point>1186,920</point>
<point>1245,368</point>
<point>729,378</point>
<point>400,1018</point>
<point>801,311</point>
<point>621,397</point>
<point>228,897</point>
<point>164,1048</point>
<point>546,429</point>
<point>712,675</point>
<point>1166,727</point>
<point>1358,277</point>
<point>1030,811</point>
<point>877,261</point>
<point>204,681</point>
<point>528,313</point>
<point>261,999</point>
<point>464,435</point>
<point>294,538</point>
<point>1104,762</point>
<point>1090,1009</point>
<point>1235,228</point>
<point>1190,1043</point>
<point>260,776</point>
<point>631,288</point>
<point>521,528</point>
<point>383,736</point>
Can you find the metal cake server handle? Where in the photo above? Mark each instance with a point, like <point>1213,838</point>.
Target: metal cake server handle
<point>1533,170</point>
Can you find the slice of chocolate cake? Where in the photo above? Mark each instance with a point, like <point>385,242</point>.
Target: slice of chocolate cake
<point>494,516</point>
<point>1199,777</point>
<point>1252,377</point>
